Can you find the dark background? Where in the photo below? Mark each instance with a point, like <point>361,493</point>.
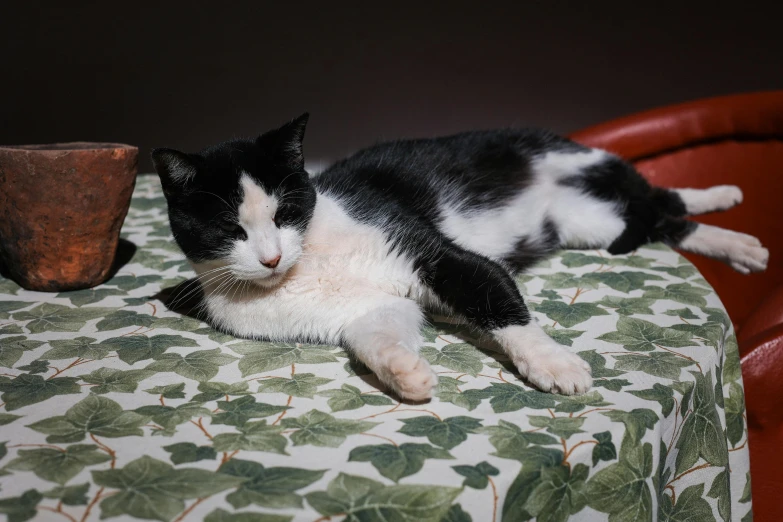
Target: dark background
<point>187,74</point>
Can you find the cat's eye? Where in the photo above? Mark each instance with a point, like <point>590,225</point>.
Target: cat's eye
<point>228,226</point>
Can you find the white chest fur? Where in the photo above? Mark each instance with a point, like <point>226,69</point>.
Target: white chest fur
<point>345,269</point>
<point>348,256</point>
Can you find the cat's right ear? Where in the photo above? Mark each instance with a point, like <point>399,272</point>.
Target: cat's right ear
<point>175,168</point>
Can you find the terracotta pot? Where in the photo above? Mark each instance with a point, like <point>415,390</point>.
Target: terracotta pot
<point>61,209</point>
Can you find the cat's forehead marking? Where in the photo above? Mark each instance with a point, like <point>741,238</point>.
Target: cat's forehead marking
<point>257,207</point>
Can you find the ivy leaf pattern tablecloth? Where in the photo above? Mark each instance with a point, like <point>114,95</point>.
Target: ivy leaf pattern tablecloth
<point>114,407</point>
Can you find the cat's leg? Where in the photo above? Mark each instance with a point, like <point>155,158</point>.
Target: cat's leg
<point>387,339</point>
<point>742,252</point>
<point>381,330</point>
<point>482,291</point>
<point>713,199</point>
<point>613,207</point>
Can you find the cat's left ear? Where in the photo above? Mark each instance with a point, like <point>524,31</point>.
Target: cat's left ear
<point>289,139</point>
<point>175,168</point>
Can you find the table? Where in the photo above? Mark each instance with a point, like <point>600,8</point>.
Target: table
<point>116,407</point>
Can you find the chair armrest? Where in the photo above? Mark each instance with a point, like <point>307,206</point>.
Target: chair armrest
<point>662,130</point>
<point>762,371</point>
<point>767,315</point>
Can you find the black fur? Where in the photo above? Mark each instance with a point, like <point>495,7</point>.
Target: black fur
<point>647,210</point>
<point>527,253</point>
<point>476,287</point>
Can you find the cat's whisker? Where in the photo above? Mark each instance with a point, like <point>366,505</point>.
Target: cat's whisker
<point>209,279</point>
<point>296,191</point>
<point>288,176</point>
<point>237,284</point>
<point>224,283</point>
<point>213,194</point>
<point>218,290</point>
<point>226,267</point>
<point>181,296</point>
<point>214,278</point>
<point>189,283</point>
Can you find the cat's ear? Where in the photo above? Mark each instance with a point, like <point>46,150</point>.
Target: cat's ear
<point>289,140</point>
<point>175,168</point>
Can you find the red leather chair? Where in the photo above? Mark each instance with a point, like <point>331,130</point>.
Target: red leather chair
<point>735,140</point>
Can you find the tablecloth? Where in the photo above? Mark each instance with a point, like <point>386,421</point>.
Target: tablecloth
<point>115,407</point>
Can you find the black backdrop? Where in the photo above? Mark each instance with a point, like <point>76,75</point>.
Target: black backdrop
<point>185,74</point>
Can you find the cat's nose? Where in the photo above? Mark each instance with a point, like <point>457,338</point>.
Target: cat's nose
<point>271,263</point>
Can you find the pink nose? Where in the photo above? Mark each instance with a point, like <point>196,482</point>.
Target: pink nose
<point>271,263</point>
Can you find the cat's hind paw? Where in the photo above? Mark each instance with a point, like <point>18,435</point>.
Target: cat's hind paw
<point>723,197</point>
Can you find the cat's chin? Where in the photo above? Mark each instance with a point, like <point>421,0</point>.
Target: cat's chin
<point>270,281</point>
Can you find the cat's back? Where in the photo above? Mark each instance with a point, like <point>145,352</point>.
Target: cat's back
<point>480,168</point>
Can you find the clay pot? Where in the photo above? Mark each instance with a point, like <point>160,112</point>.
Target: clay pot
<point>61,209</point>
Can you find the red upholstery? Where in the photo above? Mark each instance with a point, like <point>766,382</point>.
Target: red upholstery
<point>767,314</point>
<point>734,140</point>
<point>762,368</point>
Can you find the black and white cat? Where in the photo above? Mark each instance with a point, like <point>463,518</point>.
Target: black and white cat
<point>353,255</point>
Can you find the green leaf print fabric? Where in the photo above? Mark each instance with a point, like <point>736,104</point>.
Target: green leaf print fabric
<point>116,408</point>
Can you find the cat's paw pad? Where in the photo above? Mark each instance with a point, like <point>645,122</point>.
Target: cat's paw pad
<point>556,371</point>
<point>725,196</point>
<point>410,375</point>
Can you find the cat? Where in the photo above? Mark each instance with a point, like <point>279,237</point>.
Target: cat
<point>353,255</point>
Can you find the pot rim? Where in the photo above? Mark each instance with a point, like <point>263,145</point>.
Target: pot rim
<point>71,146</point>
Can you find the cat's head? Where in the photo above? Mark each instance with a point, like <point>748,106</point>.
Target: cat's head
<point>243,205</point>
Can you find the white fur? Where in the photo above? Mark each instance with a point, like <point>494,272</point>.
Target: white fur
<point>585,222</point>
<point>743,252</point>
<point>701,201</point>
<point>581,220</point>
<point>265,241</point>
<point>544,363</point>
<point>345,270</point>
<point>349,285</point>
<point>349,253</point>
<point>558,164</point>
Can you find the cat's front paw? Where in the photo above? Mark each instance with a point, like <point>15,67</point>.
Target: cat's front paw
<point>551,368</point>
<point>558,372</point>
<point>543,362</point>
<point>409,375</point>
